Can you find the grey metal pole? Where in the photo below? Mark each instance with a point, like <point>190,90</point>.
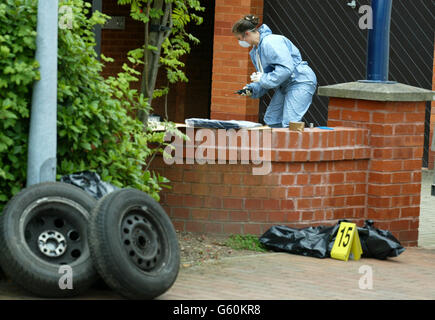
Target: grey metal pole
<point>41,162</point>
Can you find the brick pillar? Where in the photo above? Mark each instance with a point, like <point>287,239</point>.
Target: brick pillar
<point>231,63</point>
<point>397,138</point>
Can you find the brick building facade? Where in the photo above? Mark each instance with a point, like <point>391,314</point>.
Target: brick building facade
<point>216,68</point>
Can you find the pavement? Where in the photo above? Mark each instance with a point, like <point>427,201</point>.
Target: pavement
<point>282,276</point>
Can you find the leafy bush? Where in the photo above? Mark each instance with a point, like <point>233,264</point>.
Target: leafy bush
<point>97,129</point>
<point>17,74</point>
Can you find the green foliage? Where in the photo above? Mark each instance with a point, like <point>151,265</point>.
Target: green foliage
<point>97,129</point>
<point>18,71</point>
<point>178,43</point>
<point>245,242</point>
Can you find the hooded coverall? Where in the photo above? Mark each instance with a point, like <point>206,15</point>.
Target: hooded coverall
<point>283,70</point>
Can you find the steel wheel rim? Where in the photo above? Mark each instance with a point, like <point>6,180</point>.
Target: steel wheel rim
<point>44,227</point>
<point>143,240</point>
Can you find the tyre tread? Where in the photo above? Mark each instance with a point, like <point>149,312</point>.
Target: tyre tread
<point>100,252</point>
<point>32,281</point>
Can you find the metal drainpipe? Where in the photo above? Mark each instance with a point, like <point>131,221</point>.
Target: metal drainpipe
<point>378,50</point>
<point>41,162</point>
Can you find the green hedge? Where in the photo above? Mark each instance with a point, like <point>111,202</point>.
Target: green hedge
<point>95,128</point>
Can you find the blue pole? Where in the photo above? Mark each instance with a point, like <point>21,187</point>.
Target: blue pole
<point>378,51</point>
<point>41,161</point>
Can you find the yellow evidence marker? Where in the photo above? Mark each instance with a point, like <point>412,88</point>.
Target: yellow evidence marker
<point>347,243</point>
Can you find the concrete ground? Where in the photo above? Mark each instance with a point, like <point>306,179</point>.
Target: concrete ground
<point>281,276</point>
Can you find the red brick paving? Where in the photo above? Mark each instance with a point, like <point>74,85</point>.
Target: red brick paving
<point>281,276</point>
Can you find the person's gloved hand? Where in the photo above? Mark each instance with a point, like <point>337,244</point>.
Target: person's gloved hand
<point>256,76</point>
<point>245,92</point>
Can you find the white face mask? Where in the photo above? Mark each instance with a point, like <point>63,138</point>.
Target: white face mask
<point>244,44</point>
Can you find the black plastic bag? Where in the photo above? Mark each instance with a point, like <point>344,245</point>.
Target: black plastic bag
<point>311,241</point>
<point>90,182</point>
<point>377,243</point>
<point>221,124</point>
<point>318,241</point>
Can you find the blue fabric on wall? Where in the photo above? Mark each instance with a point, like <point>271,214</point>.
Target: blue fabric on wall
<point>220,124</point>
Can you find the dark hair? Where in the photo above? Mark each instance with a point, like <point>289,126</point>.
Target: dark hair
<point>248,23</point>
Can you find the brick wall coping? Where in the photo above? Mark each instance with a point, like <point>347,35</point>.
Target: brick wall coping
<point>377,92</point>
<point>315,145</point>
<point>312,145</point>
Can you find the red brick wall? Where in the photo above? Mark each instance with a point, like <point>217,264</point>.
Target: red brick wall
<point>231,63</point>
<point>252,204</point>
<point>317,177</point>
<point>369,169</point>
<point>397,138</point>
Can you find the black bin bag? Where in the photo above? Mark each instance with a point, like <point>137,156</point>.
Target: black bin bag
<point>311,241</point>
<point>318,241</point>
<point>90,182</point>
<point>377,243</point>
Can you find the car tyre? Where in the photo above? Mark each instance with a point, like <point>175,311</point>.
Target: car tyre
<point>134,245</point>
<point>43,228</point>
